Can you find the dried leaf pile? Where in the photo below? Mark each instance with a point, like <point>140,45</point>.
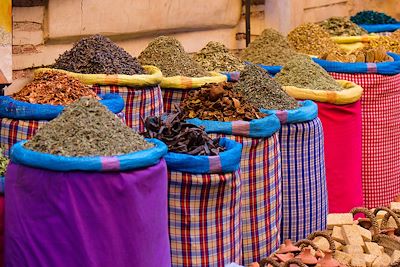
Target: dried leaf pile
<point>372,17</point>
<point>97,54</point>
<point>262,91</point>
<point>341,26</point>
<point>86,128</point>
<point>3,163</point>
<point>367,54</point>
<point>55,88</point>
<point>270,48</point>
<point>311,39</point>
<point>302,72</point>
<point>181,137</point>
<point>168,54</point>
<point>218,102</point>
<point>215,56</point>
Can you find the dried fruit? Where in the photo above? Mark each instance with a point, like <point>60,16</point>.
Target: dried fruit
<point>86,128</point>
<point>181,137</point>
<point>311,39</point>
<point>367,54</point>
<point>270,48</point>
<point>258,88</point>
<point>341,26</point>
<point>218,102</point>
<point>55,88</point>
<point>216,57</point>
<point>302,72</point>
<point>168,54</point>
<point>97,54</point>
<point>372,17</point>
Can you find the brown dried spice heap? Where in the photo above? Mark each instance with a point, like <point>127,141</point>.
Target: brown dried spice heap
<point>388,42</point>
<point>55,88</point>
<point>216,57</point>
<point>218,102</point>
<point>270,48</point>
<point>341,26</point>
<point>311,39</point>
<point>168,54</point>
<point>395,35</point>
<point>97,54</point>
<point>181,137</point>
<point>262,91</point>
<point>302,72</point>
<point>87,128</point>
<point>367,54</point>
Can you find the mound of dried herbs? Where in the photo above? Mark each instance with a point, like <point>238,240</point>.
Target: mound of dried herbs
<point>3,163</point>
<point>215,56</point>
<point>311,39</point>
<point>302,72</point>
<point>270,48</point>
<point>390,43</point>
<point>86,128</point>
<point>181,137</point>
<point>55,88</point>
<point>341,26</point>
<point>218,102</point>
<point>168,54</point>
<point>366,54</point>
<point>262,91</point>
<point>97,54</point>
<point>372,17</point>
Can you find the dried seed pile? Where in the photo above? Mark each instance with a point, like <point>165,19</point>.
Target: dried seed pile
<point>55,88</point>
<point>372,17</point>
<point>340,26</point>
<point>97,54</point>
<point>367,54</point>
<point>215,56</point>
<point>181,137</point>
<point>388,42</point>
<point>3,163</point>
<point>311,39</point>
<point>270,48</point>
<point>168,54</point>
<point>87,128</point>
<point>395,35</point>
<point>302,72</point>
<point>218,102</point>
<point>262,91</point>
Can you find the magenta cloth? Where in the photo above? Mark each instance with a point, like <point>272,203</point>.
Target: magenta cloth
<point>343,156</point>
<point>99,219</point>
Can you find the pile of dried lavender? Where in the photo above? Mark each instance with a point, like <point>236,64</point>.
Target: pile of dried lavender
<point>97,54</point>
<point>86,128</point>
<point>261,90</point>
<point>168,54</point>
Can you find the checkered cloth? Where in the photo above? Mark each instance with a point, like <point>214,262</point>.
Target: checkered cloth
<point>140,103</point>
<point>13,131</point>
<point>304,192</point>
<point>261,195</point>
<point>204,219</point>
<point>380,105</point>
<point>172,97</point>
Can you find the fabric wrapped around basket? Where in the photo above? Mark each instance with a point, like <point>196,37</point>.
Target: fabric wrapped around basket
<point>232,76</point>
<point>380,28</point>
<point>204,207</point>
<point>87,211</point>
<point>304,192</point>
<point>340,114</point>
<point>141,93</point>
<point>20,120</point>
<point>260,169</point>
<point>176,88</point>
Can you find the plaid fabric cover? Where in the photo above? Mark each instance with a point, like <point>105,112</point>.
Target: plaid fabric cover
<point>304,192</point>
<point>172,97</point>
<point>13,131</point>
<point>204,219</point>
<point>260,169</point>
<point>380,105</point>
<point>140,103</point>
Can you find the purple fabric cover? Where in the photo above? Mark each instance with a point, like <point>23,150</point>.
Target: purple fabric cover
<point>102,219</point>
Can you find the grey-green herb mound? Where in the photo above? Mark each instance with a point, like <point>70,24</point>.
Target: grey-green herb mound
<point>97,54</point>
<point>302,72</point>
<point>270,48</point>
<point>87,128</point>
<point>215,56</point>
<point>168,54</point>
<point>261,90</point>
<point>340,26</point>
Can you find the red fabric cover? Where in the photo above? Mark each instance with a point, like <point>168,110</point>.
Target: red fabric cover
<point>380,104</point>
<point>342,133</point>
